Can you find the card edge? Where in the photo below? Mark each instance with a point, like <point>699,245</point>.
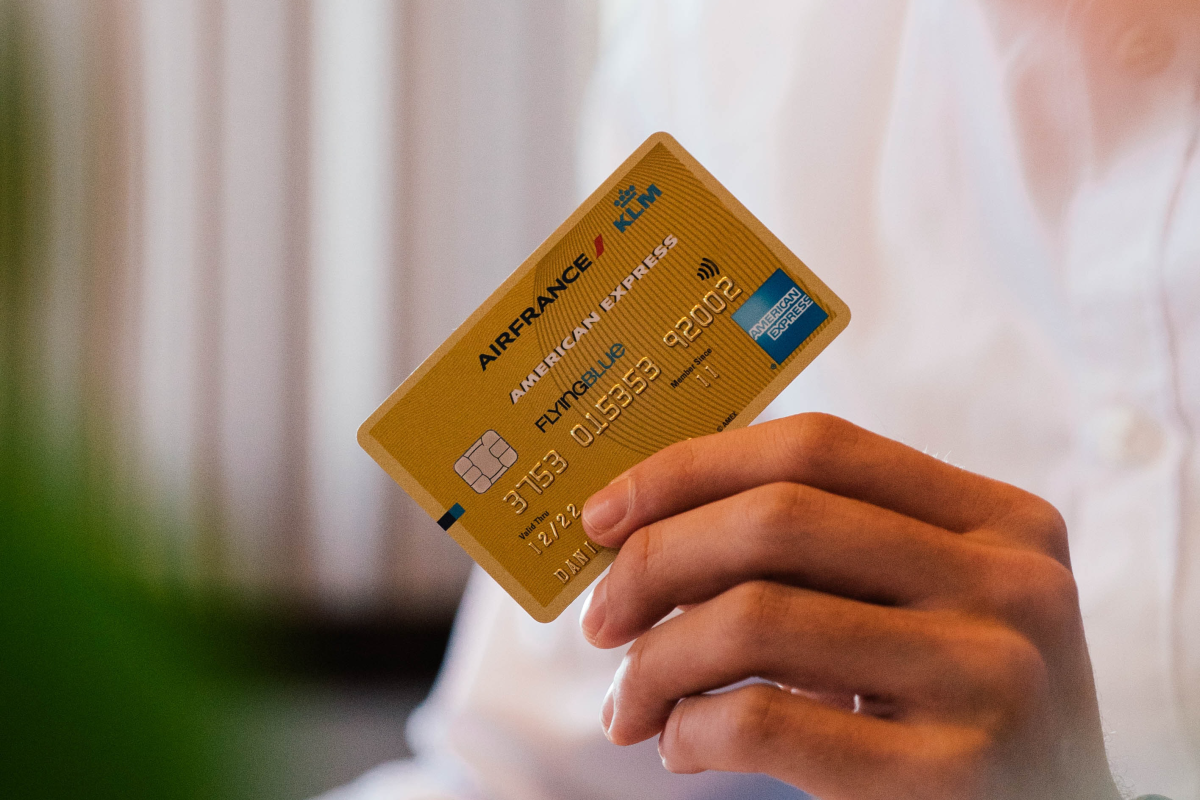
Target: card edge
<point>840,319</point>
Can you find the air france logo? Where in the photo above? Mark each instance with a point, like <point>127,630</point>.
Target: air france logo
<point>779,316</point>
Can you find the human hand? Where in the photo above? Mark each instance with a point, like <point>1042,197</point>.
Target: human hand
<point>919,623</point>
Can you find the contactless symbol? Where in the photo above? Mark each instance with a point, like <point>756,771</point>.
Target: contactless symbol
<point>779,316</point>
<point>708,269</point>
<point>485,461</point>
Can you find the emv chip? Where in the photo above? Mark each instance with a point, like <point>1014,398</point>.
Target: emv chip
<point>485,461</point>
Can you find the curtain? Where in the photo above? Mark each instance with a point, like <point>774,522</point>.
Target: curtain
<point>265,215</point>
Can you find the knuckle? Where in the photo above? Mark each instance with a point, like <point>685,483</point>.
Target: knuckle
<point>1054,615</point>
<point>1025,672</point>
<point>756,603</point>
<point>774,509</point>
<point>1014,675</point>
<point>648,553</point>
<point>633,668</point>
<point>639,558</point>
<point>674,465</point>
<point>812,436</point>
<point>1048,526</point>
<point>1039,523</point>
<point>632,577</point>
<point>677,743</point>
<point>1035,592</point>
<point>773,518</point>
<point>757,718</point>
<point>680,460</point>
<point>629,568</point>
<point>1051,519</point>
<point>1058,589</point>
<point>756,609</point>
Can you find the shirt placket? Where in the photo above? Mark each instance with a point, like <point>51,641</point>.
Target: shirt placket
<point>1125,538</point>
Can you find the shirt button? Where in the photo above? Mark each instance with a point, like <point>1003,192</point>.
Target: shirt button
<point>1124,436</point>
<point>1146,49</point>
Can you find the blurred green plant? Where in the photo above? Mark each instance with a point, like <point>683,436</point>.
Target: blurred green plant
<point>109,687</point>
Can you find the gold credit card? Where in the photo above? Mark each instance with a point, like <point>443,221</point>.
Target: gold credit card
<point>659,311</point>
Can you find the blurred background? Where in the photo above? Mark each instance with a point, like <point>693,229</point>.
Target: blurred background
<point>231,228</point>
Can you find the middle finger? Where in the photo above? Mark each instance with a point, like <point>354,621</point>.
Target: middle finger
<point>786,532</point>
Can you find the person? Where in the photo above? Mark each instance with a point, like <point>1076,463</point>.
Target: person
<point>1007,195</point>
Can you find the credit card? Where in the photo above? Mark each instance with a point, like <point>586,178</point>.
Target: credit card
<point>661,310</point>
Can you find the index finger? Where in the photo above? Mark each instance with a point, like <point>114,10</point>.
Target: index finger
<point>818,450</point>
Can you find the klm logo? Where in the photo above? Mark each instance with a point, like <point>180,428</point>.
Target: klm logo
<point>630,212</point>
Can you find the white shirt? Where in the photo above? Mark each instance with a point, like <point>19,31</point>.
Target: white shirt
<point>1007,195</point>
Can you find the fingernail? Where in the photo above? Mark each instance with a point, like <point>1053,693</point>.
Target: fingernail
<point>606,711</point>
<point>591,620</point>
<point>606,508</point>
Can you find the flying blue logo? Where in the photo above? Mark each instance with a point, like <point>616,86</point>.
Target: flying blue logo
<point>779,316</point>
